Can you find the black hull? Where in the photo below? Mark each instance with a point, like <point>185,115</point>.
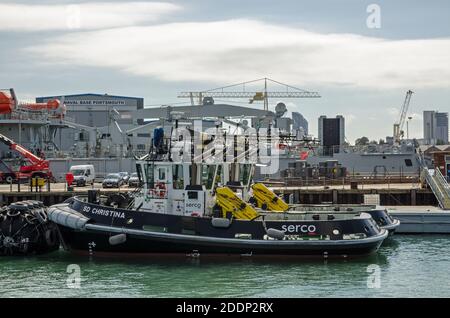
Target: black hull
<point>384,220</point>
<point>173,234</point>
<point>188,245</point>
<point>379,215</point>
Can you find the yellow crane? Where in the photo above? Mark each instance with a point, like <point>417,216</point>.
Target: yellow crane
<point>264,95</point>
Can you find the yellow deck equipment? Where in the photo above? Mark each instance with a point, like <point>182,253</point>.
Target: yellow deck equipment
<point>268,200</point>
<point>230,202</point>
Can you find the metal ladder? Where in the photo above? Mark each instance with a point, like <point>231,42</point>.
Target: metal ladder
<point>438,185</point>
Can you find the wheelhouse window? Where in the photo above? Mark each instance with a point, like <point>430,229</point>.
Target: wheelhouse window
<point>162,173</point>
<point>219,175</point>
<point>139,172</point>
<point>408,162</point>
<point>208,175</point>
<point>178,178</point>
<point>149,172</point>
<point>244,173</point>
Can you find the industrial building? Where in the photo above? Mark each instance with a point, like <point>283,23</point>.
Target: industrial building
<point>96,124</point>
<point>435,127</point>
<point>331,133</point>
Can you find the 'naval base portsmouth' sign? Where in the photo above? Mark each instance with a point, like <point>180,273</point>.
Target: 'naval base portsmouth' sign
<point>94,102</point>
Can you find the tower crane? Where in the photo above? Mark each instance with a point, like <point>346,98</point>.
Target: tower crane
<point>264,95</point>
<point>398,126</point>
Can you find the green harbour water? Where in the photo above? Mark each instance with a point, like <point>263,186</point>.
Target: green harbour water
<point>405,266</point>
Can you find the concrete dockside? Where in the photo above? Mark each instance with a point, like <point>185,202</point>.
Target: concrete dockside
<point>421,219</point>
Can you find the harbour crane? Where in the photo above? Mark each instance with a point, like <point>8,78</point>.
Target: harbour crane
<point>398,126</point>
<point>291,92</point>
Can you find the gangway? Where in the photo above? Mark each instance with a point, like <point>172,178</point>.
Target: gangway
<point>438,185</point>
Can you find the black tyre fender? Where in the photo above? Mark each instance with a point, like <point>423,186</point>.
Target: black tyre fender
<point>50,237</point>
<point>19,206</point>
<point>13,213</point>
<point>41,216</point>
<point>30,219</point>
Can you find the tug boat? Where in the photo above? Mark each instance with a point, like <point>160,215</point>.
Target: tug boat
<point>204,208</point>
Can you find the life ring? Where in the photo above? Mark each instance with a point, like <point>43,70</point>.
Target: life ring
<point>160,190</point>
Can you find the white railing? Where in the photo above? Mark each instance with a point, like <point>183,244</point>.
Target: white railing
<point>443,182</point>
<point>438,185</point>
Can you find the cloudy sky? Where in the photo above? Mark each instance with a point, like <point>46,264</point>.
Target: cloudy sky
<point>361,65</point>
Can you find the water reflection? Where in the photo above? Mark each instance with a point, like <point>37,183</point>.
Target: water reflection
<point>408,266</point>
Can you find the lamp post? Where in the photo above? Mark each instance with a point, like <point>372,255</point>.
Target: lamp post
<point>407,127</point>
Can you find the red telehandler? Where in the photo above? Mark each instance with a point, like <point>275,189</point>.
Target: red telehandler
<point>36,167</point>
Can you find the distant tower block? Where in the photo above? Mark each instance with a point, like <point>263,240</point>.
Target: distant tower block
<point>331,133</point>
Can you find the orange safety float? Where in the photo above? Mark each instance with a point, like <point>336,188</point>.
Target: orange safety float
<point>52,104</point>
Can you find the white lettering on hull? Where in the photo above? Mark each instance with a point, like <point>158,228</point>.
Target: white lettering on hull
<point>104,212</point>
<point>299,228</point>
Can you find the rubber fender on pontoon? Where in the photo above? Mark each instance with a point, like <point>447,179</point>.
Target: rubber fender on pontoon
<point>276,234</point>
<point>68,219</point>
<point>118,239</point>
<point>221,222</point>
<point>22,234</point>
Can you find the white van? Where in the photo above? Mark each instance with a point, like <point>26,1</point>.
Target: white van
<point>83,174</point>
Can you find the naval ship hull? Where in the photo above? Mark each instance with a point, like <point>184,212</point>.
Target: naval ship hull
<point>96,229</point>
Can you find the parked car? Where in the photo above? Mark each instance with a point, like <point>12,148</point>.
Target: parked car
<point>125,176</point>
<point>134,180</point>
<point>83,174</point>
<point>112,180</point>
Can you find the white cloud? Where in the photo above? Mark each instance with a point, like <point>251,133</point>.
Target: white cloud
<point>235,50</point>
<point>85,16</point>
<point>393,111</point>
<point>349,118</point>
